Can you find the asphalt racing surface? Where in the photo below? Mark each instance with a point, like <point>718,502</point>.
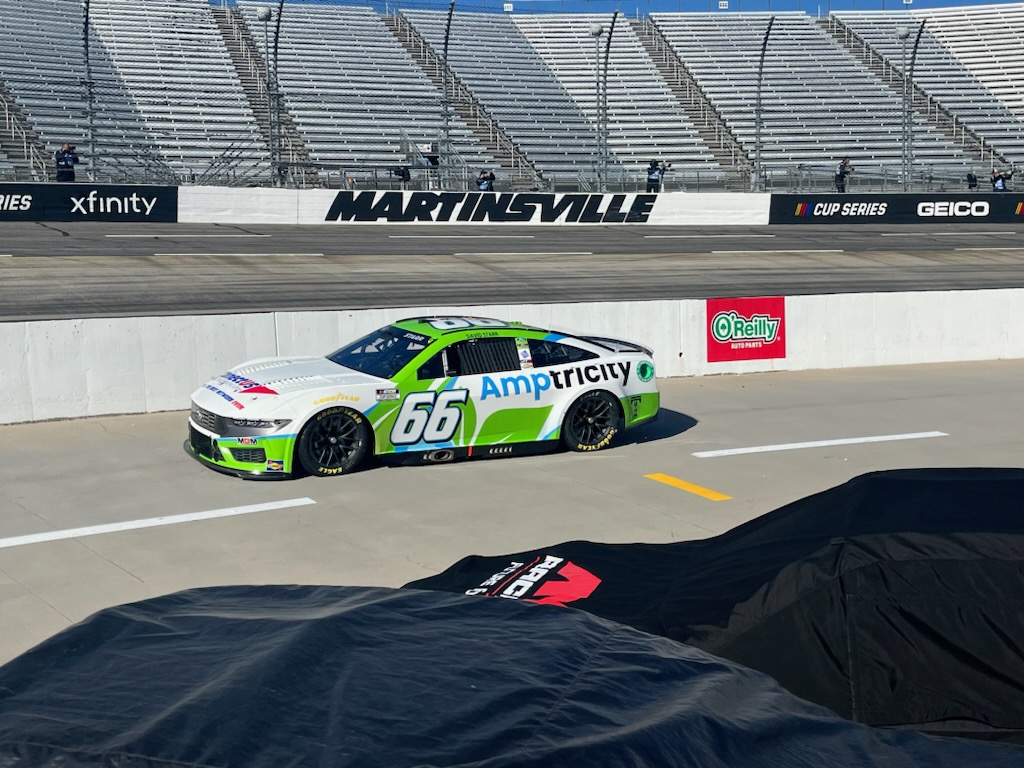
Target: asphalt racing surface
<point>94,270</point>
<point>101,511</point>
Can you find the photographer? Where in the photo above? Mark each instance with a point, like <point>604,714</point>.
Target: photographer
<point>655,173</point>
<point>66,160</point>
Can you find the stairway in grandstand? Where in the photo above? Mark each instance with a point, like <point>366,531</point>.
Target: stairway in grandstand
<point>513,166</point>
<point>253,73</point>
<point>706,119</point>
<point>538,80</point>
<point>967,73</point>
<point>357,103</point>
<point>819,102</point>
<point>23,157</point>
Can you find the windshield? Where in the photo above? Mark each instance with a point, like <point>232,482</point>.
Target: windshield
<point>382,353</point>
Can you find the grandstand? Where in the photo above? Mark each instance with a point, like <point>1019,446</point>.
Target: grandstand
<point>192,91</point>
<point>969,60</point>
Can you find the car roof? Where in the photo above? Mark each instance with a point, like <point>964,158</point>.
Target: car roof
<point>428,325</point>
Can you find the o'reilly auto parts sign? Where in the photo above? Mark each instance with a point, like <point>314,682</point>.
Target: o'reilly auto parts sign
<point>87,202</point>
<point>1000,208</point>
<point>746,329</point>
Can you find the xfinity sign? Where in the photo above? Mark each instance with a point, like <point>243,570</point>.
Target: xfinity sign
<point>948,208</point>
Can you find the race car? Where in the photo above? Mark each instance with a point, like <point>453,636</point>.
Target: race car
<point>430,388</point>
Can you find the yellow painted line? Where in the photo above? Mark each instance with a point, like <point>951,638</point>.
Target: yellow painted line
<point>675,482</point>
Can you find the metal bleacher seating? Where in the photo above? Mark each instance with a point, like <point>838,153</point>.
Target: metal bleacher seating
<point>819,103</point>
<point>42,66</point>
<point>645,120</point>
<point>353,90</point>
<point>168,105</point>
<point>494,59</point>
<point>169,101</point>
<point>970,60</point>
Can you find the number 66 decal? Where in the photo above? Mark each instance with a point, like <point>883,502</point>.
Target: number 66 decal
<point>430,417</point>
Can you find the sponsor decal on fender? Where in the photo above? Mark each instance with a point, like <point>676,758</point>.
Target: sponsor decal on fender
<point>746,329</point>
<point>516,208</point>
<point>246,386</point>
<point>537,582</point>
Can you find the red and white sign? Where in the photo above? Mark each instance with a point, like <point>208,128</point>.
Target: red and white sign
<point>746,329</point>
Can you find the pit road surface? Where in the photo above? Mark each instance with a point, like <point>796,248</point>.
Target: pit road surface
<point>386,526</point>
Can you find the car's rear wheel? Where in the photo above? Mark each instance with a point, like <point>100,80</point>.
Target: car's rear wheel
<point>591,422</point>
<point>334,442</point>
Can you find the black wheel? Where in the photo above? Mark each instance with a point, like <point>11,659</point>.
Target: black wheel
<point>334,441</point>
<point>592,422</point>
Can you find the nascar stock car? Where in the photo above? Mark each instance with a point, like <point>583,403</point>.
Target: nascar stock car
<point>431,388</point>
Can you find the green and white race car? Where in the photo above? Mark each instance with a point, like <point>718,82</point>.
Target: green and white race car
<point>433,388</point>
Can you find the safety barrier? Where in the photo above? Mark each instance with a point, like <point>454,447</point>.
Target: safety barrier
<point>75,368</point>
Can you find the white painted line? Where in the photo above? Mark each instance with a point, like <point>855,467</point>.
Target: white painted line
<point>175,237</point>
<point>965,233</point>
<point>818,444</point>
<point>462,237</point>
<point>1009,248</point>
<point>240,255</point>
<point>696,237</point>
<point>153,522</point>
<point>790,250</point>
<point>528,253</point>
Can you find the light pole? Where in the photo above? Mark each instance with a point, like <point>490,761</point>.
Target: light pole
<point>597,31</point>
<point>264,14</point>
<point>757,107</point>
<point>903,34</point>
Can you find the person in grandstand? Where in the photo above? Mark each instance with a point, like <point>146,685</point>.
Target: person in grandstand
<point>655,174</point>
<point>1000,179</point>
<point>843,170</point>
<point>66,160</point>
<point>485,181</point>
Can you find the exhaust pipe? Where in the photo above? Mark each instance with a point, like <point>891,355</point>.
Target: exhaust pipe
<point>444,454</point>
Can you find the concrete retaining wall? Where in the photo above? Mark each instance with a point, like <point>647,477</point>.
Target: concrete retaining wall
<point>73,368</point>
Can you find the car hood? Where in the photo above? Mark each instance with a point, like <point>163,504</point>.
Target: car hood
<point>275,378</point>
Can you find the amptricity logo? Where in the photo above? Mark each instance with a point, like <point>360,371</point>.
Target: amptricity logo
<point>953,208</point>
<point>729,326</point>
<point>549,579</point>
<point>841,209</point>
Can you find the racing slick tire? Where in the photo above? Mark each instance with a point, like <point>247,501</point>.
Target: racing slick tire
<point>592,421</point>
<point>333,442</point>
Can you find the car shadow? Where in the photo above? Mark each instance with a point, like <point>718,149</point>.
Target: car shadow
<point>668,424</point>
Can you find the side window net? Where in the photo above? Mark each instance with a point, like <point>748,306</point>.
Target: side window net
<point>478,356</point>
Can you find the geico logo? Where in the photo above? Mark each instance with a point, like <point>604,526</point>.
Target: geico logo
<point>951,208</point>
<point>522,585</point>
<point>536,383</point>
<point>849,209</point>
<point>15,202</point>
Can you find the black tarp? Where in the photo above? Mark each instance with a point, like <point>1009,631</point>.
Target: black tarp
<point>896,599</point>
<point>347,677</point>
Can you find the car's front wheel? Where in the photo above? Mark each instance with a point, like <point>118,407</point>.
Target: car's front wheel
<point>334,442</point>
<point>591,422</point>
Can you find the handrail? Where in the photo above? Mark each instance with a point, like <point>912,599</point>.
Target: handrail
<point>33,156</point>
<point>469,106</point>
<point>934,110</point>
